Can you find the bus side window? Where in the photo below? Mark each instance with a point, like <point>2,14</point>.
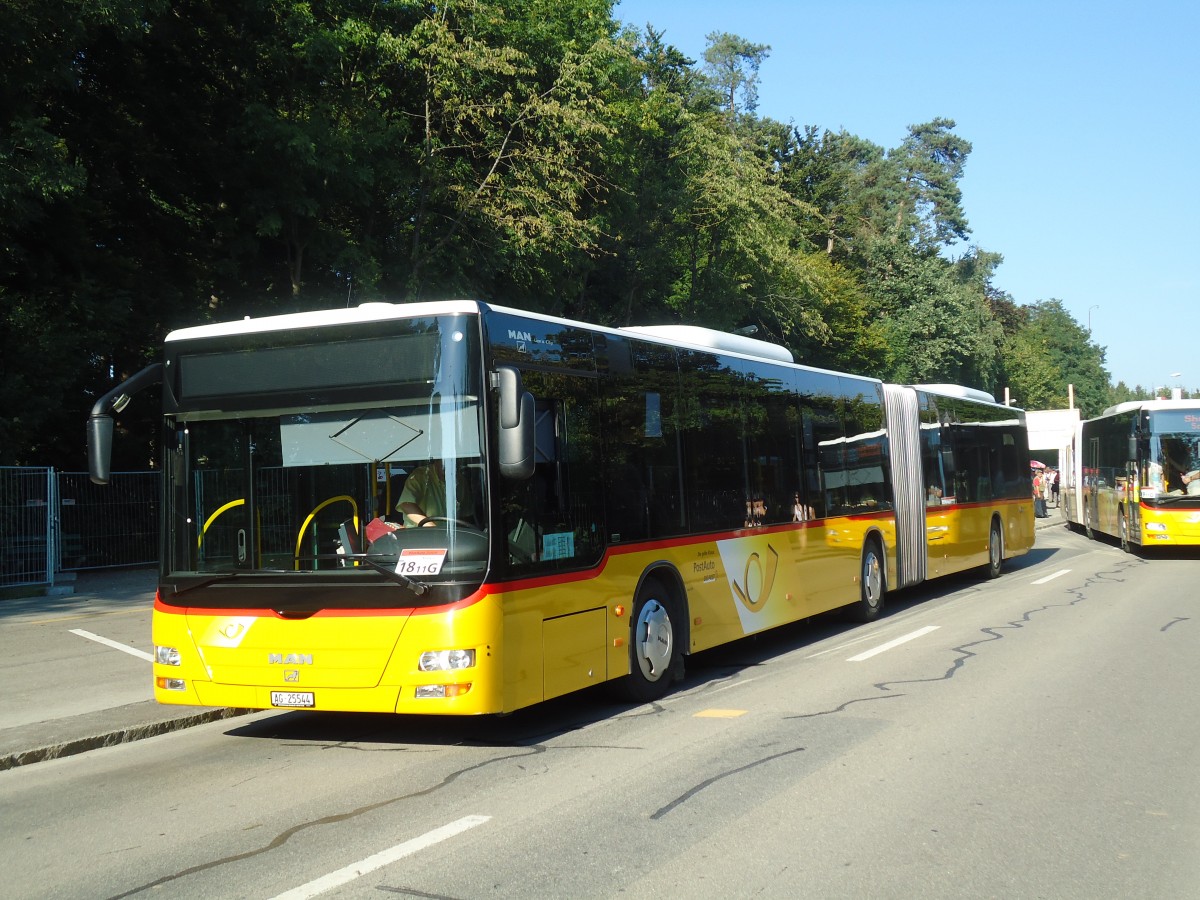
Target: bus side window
<point>551,520</point>
<point>643,482</point>
<point>824,437</point>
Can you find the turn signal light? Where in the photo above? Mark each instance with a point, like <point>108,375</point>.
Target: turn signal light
<point>440,691</point>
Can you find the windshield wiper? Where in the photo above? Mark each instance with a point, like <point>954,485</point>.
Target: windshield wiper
<point>418,587</point>
<point>1175,498</point>
<point>222,577</point>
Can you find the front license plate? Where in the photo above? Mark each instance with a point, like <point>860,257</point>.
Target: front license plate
<point>292,698</point>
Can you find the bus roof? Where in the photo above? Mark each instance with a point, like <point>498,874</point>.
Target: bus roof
<point>711,339</point>
<point>956,390</point>
<point>378,311</point>
<point>691,335</point>
<point>1149,406</point>
<point>364,312</point>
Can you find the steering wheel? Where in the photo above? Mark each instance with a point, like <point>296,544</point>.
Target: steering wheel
<point>444,519</point>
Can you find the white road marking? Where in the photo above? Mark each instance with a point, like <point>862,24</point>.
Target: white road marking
<point>1051,577</point>
<point>842,646</point>
<point>381,859</point>
<point>903,639</point>
<point>124,648</point>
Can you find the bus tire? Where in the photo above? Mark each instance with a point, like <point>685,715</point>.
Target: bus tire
<point>871,584</point>
<point>995,550</point>
<point>655,659</point>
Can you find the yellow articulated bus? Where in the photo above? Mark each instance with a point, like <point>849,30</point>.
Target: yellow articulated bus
<point>456,508</point>
<point>1133,473</point>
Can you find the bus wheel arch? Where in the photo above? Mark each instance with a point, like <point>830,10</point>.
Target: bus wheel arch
<point>658,635</point>
<point>872,574</point>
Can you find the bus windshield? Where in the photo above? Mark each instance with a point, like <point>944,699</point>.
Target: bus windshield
<point>1175,464</point>
<point>371,476</point>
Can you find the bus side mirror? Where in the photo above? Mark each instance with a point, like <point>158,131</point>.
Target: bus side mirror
<point>99,448</point>
<point>1131,454</point>
<point>100,423</point>
<point>516,425</point>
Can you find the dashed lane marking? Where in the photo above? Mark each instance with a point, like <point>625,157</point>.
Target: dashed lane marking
<point>1051,577</point>
<point>381,859</point>
<point>903,639</point>
<point>124,648</point>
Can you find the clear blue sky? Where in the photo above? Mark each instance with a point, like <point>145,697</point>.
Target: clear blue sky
<point>1085,125</point>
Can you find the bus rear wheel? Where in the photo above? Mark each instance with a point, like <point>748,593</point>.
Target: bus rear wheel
<point>871,584</point>
<point>654,656</point>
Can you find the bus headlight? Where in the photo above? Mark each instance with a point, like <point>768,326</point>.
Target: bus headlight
<point>1156,526</point>
<point>166,656</point>
<point>446,660</point>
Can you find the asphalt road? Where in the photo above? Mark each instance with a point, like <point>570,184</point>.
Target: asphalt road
<point>1033,736</point>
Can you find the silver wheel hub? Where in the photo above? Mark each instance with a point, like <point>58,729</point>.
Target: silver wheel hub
<point>654,640</point>
<point>872,579</point>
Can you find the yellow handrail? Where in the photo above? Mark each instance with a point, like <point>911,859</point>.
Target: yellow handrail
<point>230,505</point>
<point>312,515</point>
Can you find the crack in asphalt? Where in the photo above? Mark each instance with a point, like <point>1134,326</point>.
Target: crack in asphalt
<point>412,892</point>
<point>692,792</point>
<point>997,632</point>
<point>284,836</point>
<point>965,651</point>
<point>842,707</point>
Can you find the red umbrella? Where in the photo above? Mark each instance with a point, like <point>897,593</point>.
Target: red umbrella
<point>1034,464</point>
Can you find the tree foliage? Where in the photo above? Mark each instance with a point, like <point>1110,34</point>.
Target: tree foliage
<point>164,164</point>
<point>1051,352</point>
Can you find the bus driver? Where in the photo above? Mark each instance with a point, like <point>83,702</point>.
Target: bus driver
<point>424,494</point>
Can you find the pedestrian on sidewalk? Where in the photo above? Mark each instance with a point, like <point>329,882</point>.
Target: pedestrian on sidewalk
<point>1039,499</point>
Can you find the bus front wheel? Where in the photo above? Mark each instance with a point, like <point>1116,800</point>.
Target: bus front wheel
<point>871,584</point>
<point>655,659</point>
<point>995,550</point>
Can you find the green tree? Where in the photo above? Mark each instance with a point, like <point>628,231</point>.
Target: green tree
<point>166,164</point>
<point>72,229</point>
<point>930,164</point>
<point>1051,352</point>
<point>510,123</point>
<point>732,63</point>
<point>937,321</point>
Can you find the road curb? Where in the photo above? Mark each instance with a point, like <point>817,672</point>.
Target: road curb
<point>69,746</point>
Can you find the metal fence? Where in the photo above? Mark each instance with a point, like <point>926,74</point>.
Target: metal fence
<point>59,522</point>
